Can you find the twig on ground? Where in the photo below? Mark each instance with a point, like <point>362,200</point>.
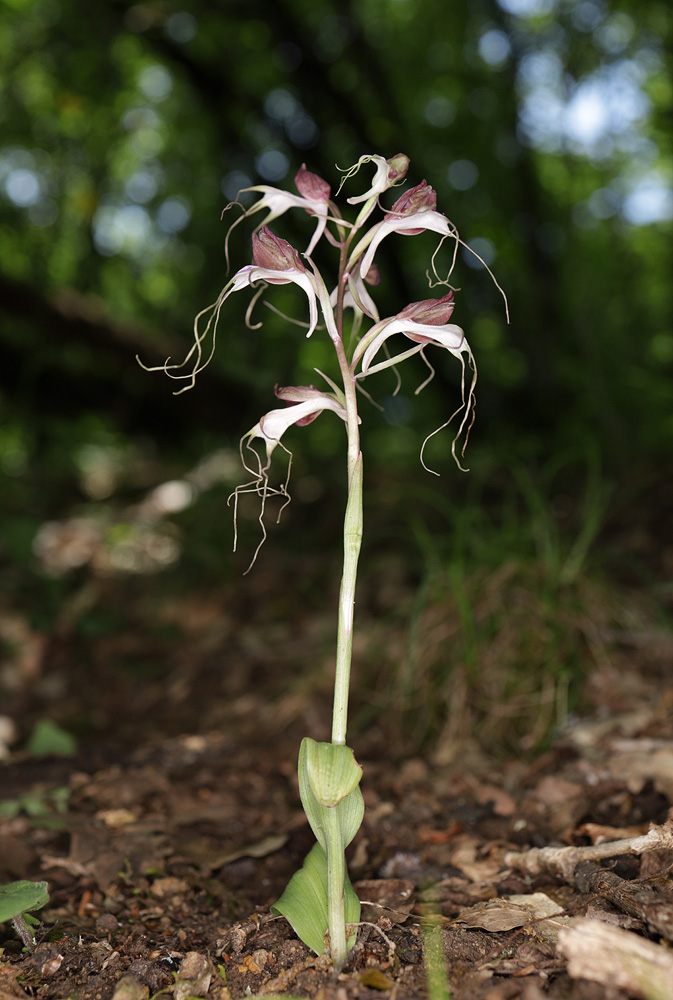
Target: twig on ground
<point>617,959</point>
<point>563,861</point>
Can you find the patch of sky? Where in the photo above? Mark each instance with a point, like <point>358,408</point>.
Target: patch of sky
<point>479,252</point>
<point>494,47</point>
<point>604,203</point>
<point>649,200</point>
<point>608,104</point>
<point>615,33</point>
<point>142,186</point>
<point>586,15</point>
<point>462,175</point>
<point>181,27</point>
<point>22,186</point>
<point>24,180</point>
<point>282,106</point>
<point>602,113</point>
<point>439,112</point>
<point>144,127</point>
<point>302,132</point>
<point>155,82</point>
<point>527,8</point>
<point>122,229</point>
<point>173,215</point>
<point>20,176</point>
<point>272,164</point>
<point>233,183</point>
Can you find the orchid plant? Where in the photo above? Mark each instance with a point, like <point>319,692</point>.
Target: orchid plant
<point>319,901</point>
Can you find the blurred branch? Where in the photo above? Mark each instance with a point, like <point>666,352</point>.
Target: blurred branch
<point>41,370</point>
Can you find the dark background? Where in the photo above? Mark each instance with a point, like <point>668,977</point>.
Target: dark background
<point>545,128</point>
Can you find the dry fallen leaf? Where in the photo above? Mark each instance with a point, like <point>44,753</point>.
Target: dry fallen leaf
<point>390,897</point>
<point>505,914</point>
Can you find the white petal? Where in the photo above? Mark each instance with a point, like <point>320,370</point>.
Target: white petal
<point>273,424</point>
<point>278,202</point>
<point>449,336</point>
<point>249,274</point>
<point>380,182</point>
<point>435,221</point>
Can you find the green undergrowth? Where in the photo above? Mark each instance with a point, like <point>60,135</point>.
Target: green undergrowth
<point>516,603</point>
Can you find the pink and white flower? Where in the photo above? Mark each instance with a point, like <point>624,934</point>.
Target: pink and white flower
<point>305,404</point>
<point>424,323</point>
<point>409,225</point>
<point>388,173</point>
<point>313,197</point>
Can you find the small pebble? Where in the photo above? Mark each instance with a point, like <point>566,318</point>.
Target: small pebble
<point>106,923</point>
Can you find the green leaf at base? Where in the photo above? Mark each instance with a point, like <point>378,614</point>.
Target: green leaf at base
<point>17,897</point>
<point>304,902</point>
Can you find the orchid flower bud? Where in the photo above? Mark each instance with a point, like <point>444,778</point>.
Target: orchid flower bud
<point>430,312</point>
<point>421,198</point>
<point>311,186</point>
<point>274,253</point>
<point>397,167</point>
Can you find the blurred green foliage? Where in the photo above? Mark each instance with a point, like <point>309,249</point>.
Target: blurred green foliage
<point>125,128</point>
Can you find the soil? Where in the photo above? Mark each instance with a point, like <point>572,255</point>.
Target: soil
<point>177,823</point>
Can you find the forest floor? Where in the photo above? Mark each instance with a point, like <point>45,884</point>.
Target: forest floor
<point>176,824</point>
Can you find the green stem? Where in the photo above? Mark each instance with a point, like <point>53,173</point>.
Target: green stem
<point>352,522</point>
<point>352,540</point>
<point>336,896</point>
<point>23,929</point>
<point>336,861</point>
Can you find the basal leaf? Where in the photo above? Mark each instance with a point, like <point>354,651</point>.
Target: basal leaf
<point>304,902</point>
<point>17,897</point>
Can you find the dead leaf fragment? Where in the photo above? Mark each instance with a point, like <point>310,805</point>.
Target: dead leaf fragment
<point>115,818</point>
<point>494,915</point>
<point>505,914</point>
<point>466,857</point>
<point>168,886</point>
<point>258,849</point>
<point>390,897</point>
<point>502,802</point>
<point>130,988</point>
<point>375,979</point>
<point>194,976</point>
<point>636,768</point>
<point>549,917</point>
<point>255,963</point>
